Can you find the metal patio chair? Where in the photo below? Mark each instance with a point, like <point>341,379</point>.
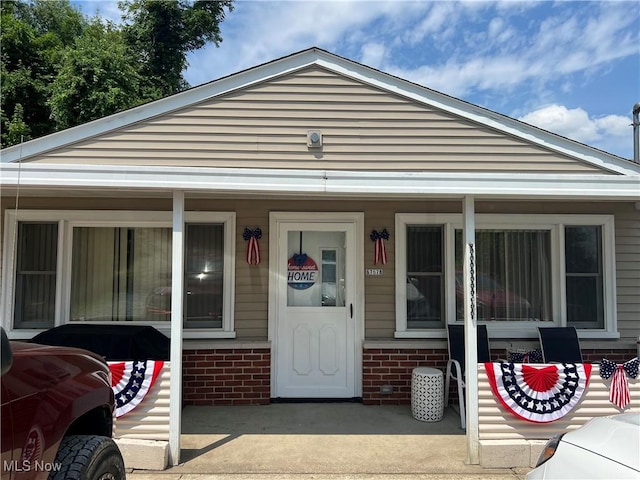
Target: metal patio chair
<point>560,345</point>
<point>456,363</point>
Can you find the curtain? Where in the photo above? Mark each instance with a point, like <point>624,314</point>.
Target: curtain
<point>115,270</point>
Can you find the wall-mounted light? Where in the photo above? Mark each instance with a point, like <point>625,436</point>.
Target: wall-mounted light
<point>314,138</point>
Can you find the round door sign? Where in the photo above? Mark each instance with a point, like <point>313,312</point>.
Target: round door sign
<point>302,271</point>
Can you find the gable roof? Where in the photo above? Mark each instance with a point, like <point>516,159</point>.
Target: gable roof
<point>341,66</point>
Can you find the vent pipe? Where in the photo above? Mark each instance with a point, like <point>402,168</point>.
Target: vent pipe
<point>636,133</point>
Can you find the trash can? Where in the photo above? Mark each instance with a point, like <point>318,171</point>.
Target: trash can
<point>427,394</point>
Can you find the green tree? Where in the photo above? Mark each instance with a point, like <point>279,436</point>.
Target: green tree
<point>33,36</point>
<point>162,32</point>
<point>97,77</point>
<point>59,69</point>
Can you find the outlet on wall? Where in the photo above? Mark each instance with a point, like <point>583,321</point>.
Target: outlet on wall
<point>386,389</point>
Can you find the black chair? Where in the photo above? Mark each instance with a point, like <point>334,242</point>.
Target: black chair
<point>560,345</point>
<point>456,363</point>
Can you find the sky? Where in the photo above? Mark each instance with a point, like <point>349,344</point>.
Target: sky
<point>569,67</point>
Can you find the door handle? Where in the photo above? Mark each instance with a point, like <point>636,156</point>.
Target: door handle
<point>351,309</point>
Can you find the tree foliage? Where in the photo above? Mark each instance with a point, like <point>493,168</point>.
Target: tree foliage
<point>163,32</point>
<point>60,69</point>
<point>96,77</point>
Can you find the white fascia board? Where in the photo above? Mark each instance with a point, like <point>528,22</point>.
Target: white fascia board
<point>478,114</point>
<point>487,185</point>
<point>323,182</point>
<point>162,178</point>
<point>159,107</point>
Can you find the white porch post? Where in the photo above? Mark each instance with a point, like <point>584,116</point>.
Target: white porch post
<point>470,332</point>
<point>177,295</point>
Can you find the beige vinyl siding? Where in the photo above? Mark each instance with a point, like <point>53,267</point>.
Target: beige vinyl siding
<point>628,272</point>
<point>150,419</point>
<point>363,127</point>
<point>252,281</point>
<point>496,423</point>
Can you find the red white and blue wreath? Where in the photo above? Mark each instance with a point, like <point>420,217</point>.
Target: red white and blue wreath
<point>131,381</point>
<point>538,394</point>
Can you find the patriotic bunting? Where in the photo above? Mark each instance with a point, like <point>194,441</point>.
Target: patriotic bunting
<point>619,391</point>
<point>379,251</point>
<point>538,394</point>
<point>131,382</point>
<point>253,247</point>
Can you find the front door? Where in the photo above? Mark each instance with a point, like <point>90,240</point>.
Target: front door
<point>315,325</point>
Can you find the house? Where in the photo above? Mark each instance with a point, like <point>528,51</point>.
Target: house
<point>316,224</point>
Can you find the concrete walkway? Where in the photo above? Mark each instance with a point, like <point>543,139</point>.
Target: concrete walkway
<point>320,441</point>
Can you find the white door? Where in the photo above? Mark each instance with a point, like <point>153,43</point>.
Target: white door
<point>315,324</point>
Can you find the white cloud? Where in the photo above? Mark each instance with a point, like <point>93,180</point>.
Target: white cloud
<point>373,54</point>
<point>561,45</point>
<point>610,132</point>
<point>106,9</point>
<point>440,17</point>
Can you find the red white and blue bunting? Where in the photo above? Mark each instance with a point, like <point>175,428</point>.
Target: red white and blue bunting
<point>539,394</point>
<point>131,381</point>
<point>619,393</point>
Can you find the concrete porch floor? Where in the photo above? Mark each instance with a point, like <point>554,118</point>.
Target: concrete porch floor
<point>323,441</point>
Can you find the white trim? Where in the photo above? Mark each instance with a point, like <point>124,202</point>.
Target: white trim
<point>470,329</point>
<point>339,65</point>
<point>127,178</point>
<point>276,219</point>
<point>555,225</point>
<point>68,219</point>
<point>177,310</point>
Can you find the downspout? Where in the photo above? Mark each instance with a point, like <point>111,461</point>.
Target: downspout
<point>470,331</point>
<point>636,133</point>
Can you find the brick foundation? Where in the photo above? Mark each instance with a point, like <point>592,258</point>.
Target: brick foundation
<point>226,377</point>
<point>394,367</point>
<point>618,356</point>
<point>243,376</point>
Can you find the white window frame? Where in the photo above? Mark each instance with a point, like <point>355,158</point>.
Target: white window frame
<point>67,220</point>
<point>515,329</point>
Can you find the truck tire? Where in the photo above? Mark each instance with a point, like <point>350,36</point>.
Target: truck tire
<point>88,457</point>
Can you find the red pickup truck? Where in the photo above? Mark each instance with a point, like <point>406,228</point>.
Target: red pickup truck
<point>57,414</point>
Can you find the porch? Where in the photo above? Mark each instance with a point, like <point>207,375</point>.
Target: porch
<point>321,440</point>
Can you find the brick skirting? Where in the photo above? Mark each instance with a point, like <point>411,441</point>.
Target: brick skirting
<point>243,376</point>
<point>226,376</point>
<point>394,367</point>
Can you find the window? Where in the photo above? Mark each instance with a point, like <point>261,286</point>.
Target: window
<point>35,287</point>
<point>114,271</point>
<point>513,275</point>
<point>204,275</point>
<point>584,276</point>
<point>530,269</point>
<point>425,277</point>
<point>121,270</point>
